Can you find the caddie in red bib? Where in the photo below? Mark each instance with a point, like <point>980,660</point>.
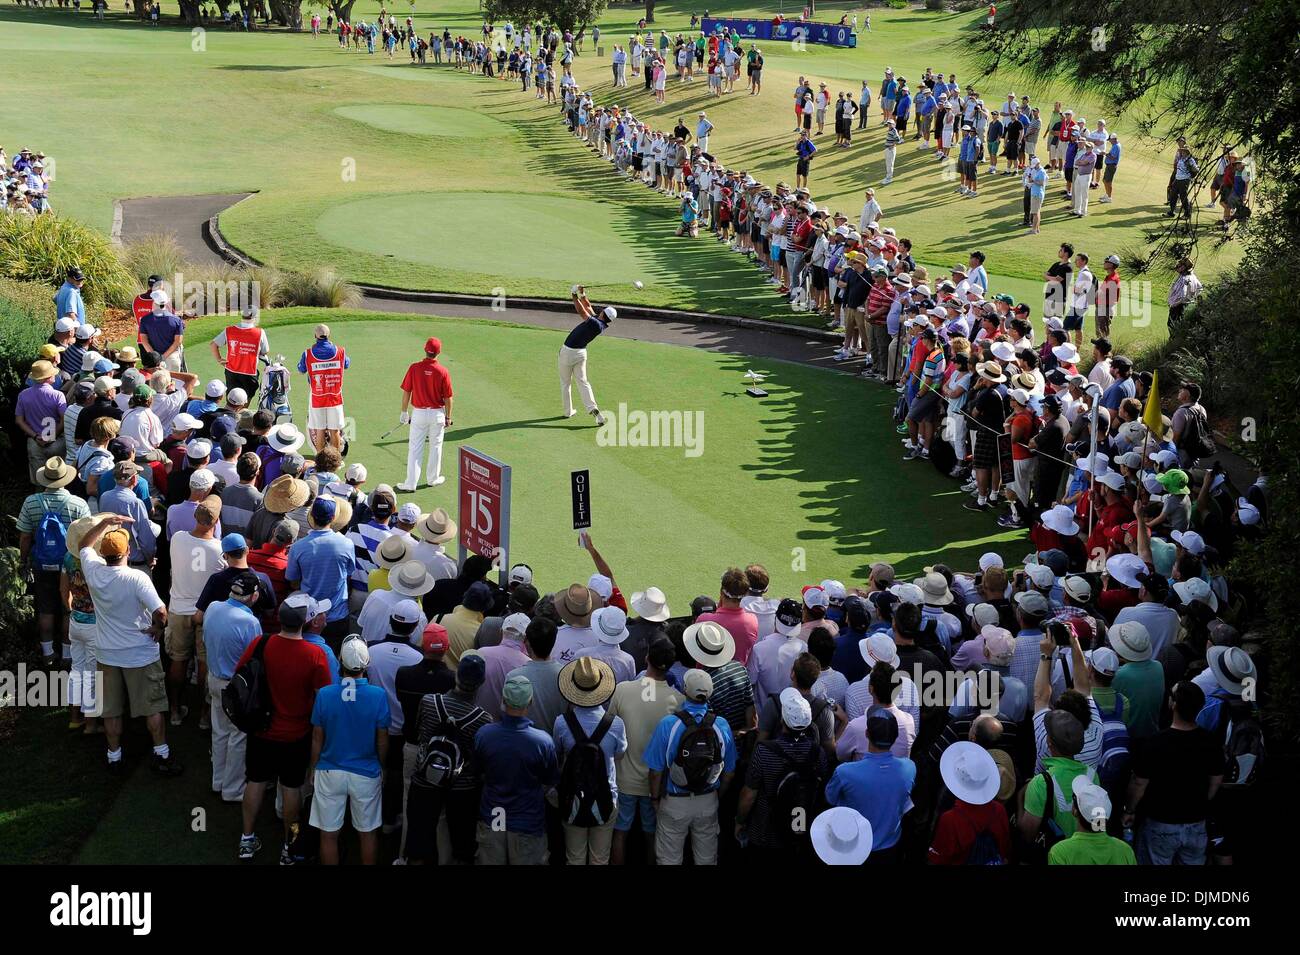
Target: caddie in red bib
<point>245,343</point>
<point>324,365</point>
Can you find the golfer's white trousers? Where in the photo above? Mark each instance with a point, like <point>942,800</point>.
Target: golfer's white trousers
<point>573,366</point>
<point>427,425</point>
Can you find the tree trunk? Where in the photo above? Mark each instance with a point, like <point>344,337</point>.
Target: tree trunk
<point>141,9</point>
<point>649,11</point>
<point>288,13</point>
<point>190,11</point>
<point>342,9</point>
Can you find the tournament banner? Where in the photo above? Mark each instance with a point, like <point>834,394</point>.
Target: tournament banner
<point>484,517</point>
<point>827,34</point>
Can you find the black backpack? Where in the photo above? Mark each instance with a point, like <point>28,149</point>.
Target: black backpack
<point>697,765</point>
<point>585,795</point>
<point>441,759</point>
<point>1196,439</point>
<point>797,793</point>
<point>1243,743</point>
<point>246,700</point>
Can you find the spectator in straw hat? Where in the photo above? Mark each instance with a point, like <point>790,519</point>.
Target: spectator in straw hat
<point>393,550</point>
<point>435,529</point>
<point>610,626</point>
<point>39,415</point>
<point>575,606</point>
<point>407,581</point>
<point>587,684</point>
<point>53,478</point>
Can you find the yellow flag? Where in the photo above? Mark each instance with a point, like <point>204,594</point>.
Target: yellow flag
<point>1151,416</point>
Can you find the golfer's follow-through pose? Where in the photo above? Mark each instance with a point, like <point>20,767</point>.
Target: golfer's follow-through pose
<point>573,353</point>
<point>426,407</point>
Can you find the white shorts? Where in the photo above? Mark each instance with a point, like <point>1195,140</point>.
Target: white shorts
<point>329,418</point>
<point>335,788</point>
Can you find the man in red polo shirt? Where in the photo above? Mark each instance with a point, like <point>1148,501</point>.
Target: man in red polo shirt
<point>245,343</point>
<point>426,407</point>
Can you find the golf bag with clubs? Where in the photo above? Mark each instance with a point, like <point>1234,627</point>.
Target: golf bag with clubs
<point>275,389</point>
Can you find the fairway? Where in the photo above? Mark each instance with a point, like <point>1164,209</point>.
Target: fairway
<point>378,178</point>
<point>806,481</point>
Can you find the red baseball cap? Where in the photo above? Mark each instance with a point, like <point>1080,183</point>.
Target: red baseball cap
<point>433,347</point>
<point>435,639</point>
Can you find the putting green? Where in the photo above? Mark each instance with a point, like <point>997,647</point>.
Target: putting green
<point>809,480</point>
<point>495,233</point>
<point>445,121</point>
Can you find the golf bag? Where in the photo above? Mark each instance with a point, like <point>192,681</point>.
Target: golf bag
<point>275,389</point>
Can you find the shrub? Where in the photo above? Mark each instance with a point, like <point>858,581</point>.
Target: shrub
<point>156,254</point>
<point>319,288</point>
<point>16,616</point>
<point>26,316</point>
<point>42,249</point>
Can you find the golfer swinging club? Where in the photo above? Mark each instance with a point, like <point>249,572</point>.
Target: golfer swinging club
<point>426,391</point>
<point>573,353</point>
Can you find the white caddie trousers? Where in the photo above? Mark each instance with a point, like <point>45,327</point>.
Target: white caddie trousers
<point>573,365</point>
<point>427,425</point>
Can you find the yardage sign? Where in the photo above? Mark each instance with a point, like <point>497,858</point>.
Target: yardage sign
<point>581,492</point>
<point>484,507</point>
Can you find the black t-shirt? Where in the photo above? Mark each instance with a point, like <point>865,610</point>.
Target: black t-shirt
<point>411,683</point>
<point>1178,765</point>
<point>856,288</point>
<point>1060,294</point>
<point>681,132</point>
<point>99,408</point>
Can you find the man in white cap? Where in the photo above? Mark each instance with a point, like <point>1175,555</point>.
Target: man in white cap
<point>350,745</point>
<point>685,793</point>
<point>434,530</point>
<point>573,354</point>
<point>245,344</point>
<point>1090,844</point>
<point>163,331</point>
<point>324,364</point>
<point>500,659</point>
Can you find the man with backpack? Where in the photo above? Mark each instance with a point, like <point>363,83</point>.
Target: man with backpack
<point>519,766</point>
<point>691,758</point>
<point>783,785</point>
<point>588,740</point>
<point>445,781</point>
<point>349,746</point>
<point>1190,428</point>
<point>1176,775</point>
<point>1231,715</point>
<point>43,524</point>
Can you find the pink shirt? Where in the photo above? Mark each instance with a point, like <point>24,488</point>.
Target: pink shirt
<point>852,744</point>
<point>741,624</point>
<point>498,661</point>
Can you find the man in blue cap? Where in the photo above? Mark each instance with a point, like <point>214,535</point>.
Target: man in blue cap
<point>321,563</point>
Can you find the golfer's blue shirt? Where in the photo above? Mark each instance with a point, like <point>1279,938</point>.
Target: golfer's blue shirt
<point>585,333</point>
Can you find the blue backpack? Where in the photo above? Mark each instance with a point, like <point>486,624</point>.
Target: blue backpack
<point>50,542</point>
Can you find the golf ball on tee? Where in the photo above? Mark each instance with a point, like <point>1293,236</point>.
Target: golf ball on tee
<point>638,284</point>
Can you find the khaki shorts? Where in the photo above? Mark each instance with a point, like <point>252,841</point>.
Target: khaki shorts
<point>144,686</point>
<point>184,637</point>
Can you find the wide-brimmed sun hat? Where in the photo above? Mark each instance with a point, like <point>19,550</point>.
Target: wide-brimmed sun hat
<point>841,836</point>
<point>437,527</point>
<point>285,438</point>
<point>709,644</point>
<point>651,604</point>
<point>1061,520</point>
<point>1196,589</point>
<point>586,681</point>
<point>410,579</point>
<point>575,605</point>
<point>610,625</point>
<point>1131,641</point>
<point>1232,667</point>
<point>55,473</point>
<point>285,494</point>
<point>970,773</point>
<point>393,550</point>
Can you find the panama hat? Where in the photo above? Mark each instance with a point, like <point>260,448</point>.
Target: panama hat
<point>410,579</point>
<point>935,588</point>
<point>285,438</point>
<point>586,681</point>
<point>651,604</point>
<point>610,624</point>
<point>76,531</point>
<point>1131,641</point>
<point>1231,666</point>
<point>437,527</point>
<point>286,493</point>
<point>575,605</point>
<point>1006,774</point>
<point>42,370</point>
<point>841,836</point>
<point>55,473</point>
<point>709,644</point>
<point>1196,589</point>
<point>393,550</point>
<point>990,371</point>
<point>342,514</point>
<point>970,773</point>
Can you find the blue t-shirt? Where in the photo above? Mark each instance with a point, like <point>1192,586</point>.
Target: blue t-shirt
<point>350,713</point>
<point>229,626</point>
<point>336,675</point>
<point>160,329</point>
<point>323,561</point>
<point>68,301</point>
<point>323,350</point>
<point>879,786</point>
<point>662,748</point>
<point>1112,156</point>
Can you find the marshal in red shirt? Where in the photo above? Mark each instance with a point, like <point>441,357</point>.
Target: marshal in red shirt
<point>429,383</point>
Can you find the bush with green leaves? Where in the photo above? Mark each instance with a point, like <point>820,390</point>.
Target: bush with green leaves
<point>26,317</point>
<point>43,248</point>
<point>319,288</point>
<point>16,613</point>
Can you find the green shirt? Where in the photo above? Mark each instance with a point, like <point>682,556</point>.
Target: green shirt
<point>1091,848</point>
<point>1063,772</point>
<point>1144,685</point>
<point>1105,697</point>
